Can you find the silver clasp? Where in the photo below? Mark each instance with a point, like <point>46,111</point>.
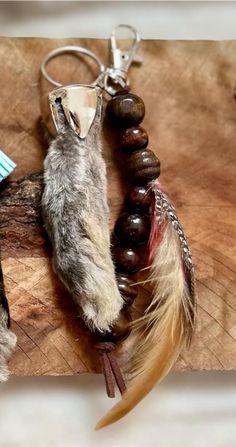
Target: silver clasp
<point>116,75</point>
<point>121,60</point>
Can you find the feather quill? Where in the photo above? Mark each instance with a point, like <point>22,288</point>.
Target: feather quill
<point>167,325</point>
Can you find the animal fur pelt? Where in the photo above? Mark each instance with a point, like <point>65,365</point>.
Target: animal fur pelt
<point>7,337</point>
<point>75,212</point>
<point>167,325</point>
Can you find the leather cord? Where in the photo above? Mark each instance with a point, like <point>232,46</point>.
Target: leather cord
<point>111,370</point>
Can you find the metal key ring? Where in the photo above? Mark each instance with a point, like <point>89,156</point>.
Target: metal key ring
<point>65,50</point>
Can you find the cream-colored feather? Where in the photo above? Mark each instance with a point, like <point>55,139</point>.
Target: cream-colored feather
<point>164,328</point>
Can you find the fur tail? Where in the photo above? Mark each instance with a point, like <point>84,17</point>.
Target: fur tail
<point>7,345</point>
<point>7,337</point>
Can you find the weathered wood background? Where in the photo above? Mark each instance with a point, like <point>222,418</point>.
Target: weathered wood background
<point>191,120</point>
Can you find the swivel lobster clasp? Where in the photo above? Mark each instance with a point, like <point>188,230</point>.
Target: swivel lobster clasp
<point>116,75</point>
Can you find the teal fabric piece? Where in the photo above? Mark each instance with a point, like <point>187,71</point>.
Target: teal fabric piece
<point>6,166</point>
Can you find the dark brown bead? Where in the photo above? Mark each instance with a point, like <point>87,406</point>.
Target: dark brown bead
<point>127,260</point>
<point>120,329</point>
<point>126,110</point>
<point>127,289</point>
<point>132,229</point>
<point>133,139</point>
<point>144,166</point>
<point>139,198</point>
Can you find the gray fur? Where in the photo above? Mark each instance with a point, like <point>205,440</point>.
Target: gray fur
<point>7,344</point>
<point>7,337</point>
<point>75,212</point>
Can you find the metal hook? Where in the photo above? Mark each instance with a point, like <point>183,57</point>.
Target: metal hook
<point>120,60</point>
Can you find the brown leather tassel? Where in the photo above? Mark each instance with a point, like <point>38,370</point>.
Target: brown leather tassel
<point>111,370</point>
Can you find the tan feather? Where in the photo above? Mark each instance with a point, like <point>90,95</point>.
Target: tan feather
<point>165,327</point>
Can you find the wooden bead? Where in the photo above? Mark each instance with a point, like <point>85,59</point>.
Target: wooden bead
<point>133,139</point>
<point>126,110</point>
<point>120,329</point>
<point>132,229</point>
<point>127,260</point>
<point>139,198</point>
<point>144,166</point>
<point>127,290</point>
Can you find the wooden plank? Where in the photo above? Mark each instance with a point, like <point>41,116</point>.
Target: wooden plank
<point>191,120</point>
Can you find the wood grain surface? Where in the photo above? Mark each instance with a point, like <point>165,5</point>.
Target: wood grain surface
<point>191,120</point>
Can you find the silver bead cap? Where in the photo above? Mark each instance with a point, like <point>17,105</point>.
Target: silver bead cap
<point>77,105</point>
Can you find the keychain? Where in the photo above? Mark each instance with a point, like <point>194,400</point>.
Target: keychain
<point>7,337</point>
<point>147,236</point>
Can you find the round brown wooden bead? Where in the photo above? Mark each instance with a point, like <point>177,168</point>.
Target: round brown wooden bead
<point>120,329</point>
<point>144,166</point>
<point>127,260</point>
<point>133,139</point>
<point>132,229</point>
<point>126,110</point>
<point>139,198</point>
<point>127,290</point>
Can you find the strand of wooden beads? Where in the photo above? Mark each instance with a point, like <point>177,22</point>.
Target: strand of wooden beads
<point>125,111</point>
